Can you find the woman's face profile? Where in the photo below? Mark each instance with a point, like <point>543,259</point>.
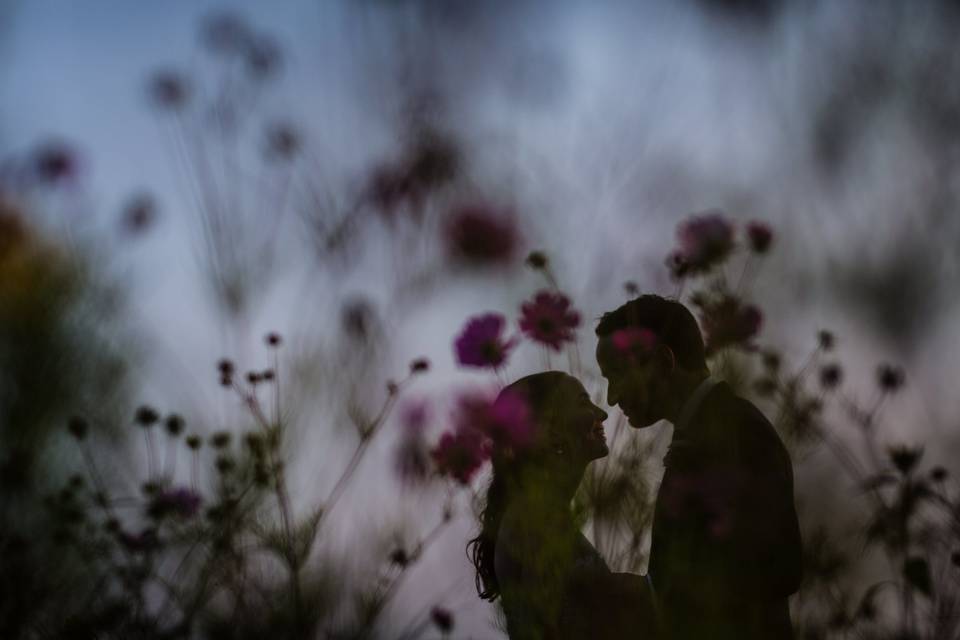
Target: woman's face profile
<point>579,422</point>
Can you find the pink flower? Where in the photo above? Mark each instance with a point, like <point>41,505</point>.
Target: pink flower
<point>631,338</point>
<point>481,236</point>
<point>548,319</point>
<point>705,240</point>
<point>481,342</point>
<point>506,420</point>
<point>760,237</point>
<point>461,453</point>
<point>730,322</point>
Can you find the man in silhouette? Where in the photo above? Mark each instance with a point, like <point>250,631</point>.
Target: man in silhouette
<point>726,550</point>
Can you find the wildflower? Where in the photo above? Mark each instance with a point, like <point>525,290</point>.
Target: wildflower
<point>537,260</point>
<point>220,439</point>
<point>760,237</point>
<point>139,213</point>
<point>905,458</point>
<point>389,187</point>
<point>146,416</point>
<point>282,142</point>
<point>54,162</point>
<point>254,377</point>
<point>705,240</point>
<point>225,367</point>
<point>273,339</point>
<point>77,427</point>
<point>729,322</point>
<point>830,376</point>
<point>225,33</point>
<point>420,365</point>
<point>507,420</point>
<point>392,387</point>
<point>548,319</point>
<point>481,236</point>
<point>169,90</point>
<point>267,375</point>
<point>433,161</point>
<point>181,502</point>
<point>262,57</point>
<point>632,340</point>
<point>399,557</point>
<point>481,343</point>
<point>174,424</point>
<point>889,378</point>
<point>225,464</point>
<point>460,454</point>
<point>677,265</point>
<point>939,474</point>
<point>631,289</point>
<point>194,442</point>
<point>357,318</point>
<point>825,340</point>
<point>442,618</point>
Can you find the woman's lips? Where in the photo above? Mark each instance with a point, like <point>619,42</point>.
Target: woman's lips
<point>597,430</point>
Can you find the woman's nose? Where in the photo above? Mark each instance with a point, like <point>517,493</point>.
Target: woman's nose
<point>612,396</point>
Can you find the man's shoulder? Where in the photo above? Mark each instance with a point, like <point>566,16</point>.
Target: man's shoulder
<point>739,419</point>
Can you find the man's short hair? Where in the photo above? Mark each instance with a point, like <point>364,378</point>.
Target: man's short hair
<point>670,321</point>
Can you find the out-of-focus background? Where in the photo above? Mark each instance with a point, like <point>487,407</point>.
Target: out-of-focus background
<point>181,179</point>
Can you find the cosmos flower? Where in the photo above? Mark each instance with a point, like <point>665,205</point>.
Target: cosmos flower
<point>481,343</point>
<point>728,322</point>
<point>460,454</point>
<point>760,237</point>
<point>506,420</point>
<point>549,320</point>
<point>705,240</point>
<point>481,236</point>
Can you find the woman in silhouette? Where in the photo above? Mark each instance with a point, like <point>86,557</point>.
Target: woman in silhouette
<point>530,553</point>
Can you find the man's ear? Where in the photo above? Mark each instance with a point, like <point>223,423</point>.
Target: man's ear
<point>666,358</point>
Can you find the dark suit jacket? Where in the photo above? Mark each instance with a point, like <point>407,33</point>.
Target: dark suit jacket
<point>726,550</point>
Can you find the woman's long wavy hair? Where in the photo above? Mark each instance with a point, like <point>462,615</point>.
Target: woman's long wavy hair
<point>537,390</point>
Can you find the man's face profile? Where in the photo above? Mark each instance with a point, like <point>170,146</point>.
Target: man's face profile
<point>629,367</point>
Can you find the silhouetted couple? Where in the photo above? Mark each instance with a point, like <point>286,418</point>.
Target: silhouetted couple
<point>725,552</point>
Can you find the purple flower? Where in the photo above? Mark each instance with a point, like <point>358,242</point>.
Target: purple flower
<point>481,342</point>
<point>705,240</point>
<point>729,322</point>
<point>549,320</point>
<point>181,502</point>
<point>628,340</point>
<point>482,236</point>
<point>507,420</point>
<point>460,454</point>
<point>760,237</point>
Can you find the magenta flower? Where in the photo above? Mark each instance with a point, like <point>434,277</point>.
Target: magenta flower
<point>760,236</point>
<point>549,320</point>
<point>142,542</point>
<point>481,342</point>
<point>729,322</point>
<point>507,420</point>
<point>630,339</point>
<point>705,240</point>
<point>461,453</point>
<point>481,236</point>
